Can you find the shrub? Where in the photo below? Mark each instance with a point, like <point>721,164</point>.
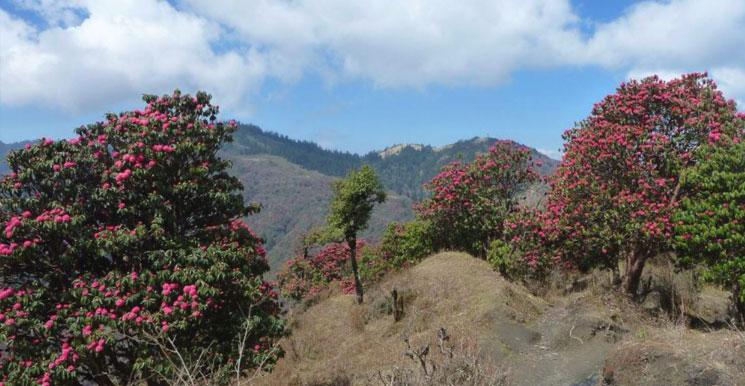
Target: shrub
<point>470,201</point>
<point>710,223</point>
<point>618,183</point>
<point>130,231</point>
<point>404,244</point>
<point>525,251</point>
<point>306,276</point>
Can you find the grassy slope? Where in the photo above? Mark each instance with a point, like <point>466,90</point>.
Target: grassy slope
<point>574,339</point>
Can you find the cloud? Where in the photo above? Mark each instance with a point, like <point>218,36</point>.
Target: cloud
<point>411,43</point>
<point>121,49</point>
<point>93,53</point>
<point>673,37</point>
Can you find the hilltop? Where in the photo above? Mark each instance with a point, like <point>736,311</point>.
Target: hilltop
<point>501,332</point>
<point>291,179</point>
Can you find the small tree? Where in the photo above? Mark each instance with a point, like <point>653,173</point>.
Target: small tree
<point>710,223</point>
<point>129,231</point>
<point>470,201</point>
<point>619,181</point>
<point>350,208</point>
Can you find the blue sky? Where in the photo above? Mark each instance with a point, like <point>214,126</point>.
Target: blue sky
<point>357,76</point>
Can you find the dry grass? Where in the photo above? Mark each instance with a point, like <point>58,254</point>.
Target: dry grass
<point>450,290</point>
<point>501,334</point>
<point>678,355</point>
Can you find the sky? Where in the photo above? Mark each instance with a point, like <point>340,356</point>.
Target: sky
<point>357,75</point>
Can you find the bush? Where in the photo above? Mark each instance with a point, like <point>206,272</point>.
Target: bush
<point>470,202</point>
<point>126,236</point>
<point>404,244</point>
<point>306,276</point>
<point>710,223</point>
<point>525,250</point>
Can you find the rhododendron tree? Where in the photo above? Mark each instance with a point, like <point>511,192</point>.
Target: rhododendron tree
<point>619,180</point>
<point>349,211</point>
<point>710,222</point>
<point>128,231</point>
<point>470,201</point>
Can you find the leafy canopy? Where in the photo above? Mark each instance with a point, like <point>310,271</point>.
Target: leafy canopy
<point>353,201</point>
<point>470,201</point>
<point>710,223</point>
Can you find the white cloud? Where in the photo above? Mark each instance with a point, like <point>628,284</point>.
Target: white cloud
<point>411,43</point>
<point>123,49</point>
<point>732,83</point>
<point>673,37</point>
<point>93,53</point>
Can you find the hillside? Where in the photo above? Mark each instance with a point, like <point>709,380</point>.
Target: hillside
<point>291,180</point>
<point>500,334</point>
<point>405,168</point>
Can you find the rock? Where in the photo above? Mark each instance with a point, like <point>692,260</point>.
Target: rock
<point>652,302</point>
<point>712,308</point>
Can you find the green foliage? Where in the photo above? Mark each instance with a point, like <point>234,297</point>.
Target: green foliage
<point>350,208</point>
<point>353,201</point>
<point>404,244</point>
<point>710,222</point>
<point>501,255</point>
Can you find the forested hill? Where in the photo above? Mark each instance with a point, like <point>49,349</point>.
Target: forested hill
<point>402,168</point>
<point>252,140</point>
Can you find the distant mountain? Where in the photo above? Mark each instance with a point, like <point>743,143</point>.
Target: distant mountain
<point>250,140</point>
<point>5,148</point>
<point>403,168</point>
<point>291,180</point>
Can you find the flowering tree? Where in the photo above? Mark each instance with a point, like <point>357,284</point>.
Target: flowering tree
<point>710,223</point>
<point>619,180</point>
<point>470,201</point>
<point>130,230</point>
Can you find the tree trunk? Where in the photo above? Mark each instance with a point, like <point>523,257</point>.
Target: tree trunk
<point>633,271</point>
<point>739,304</point>
<point>352,242</point>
